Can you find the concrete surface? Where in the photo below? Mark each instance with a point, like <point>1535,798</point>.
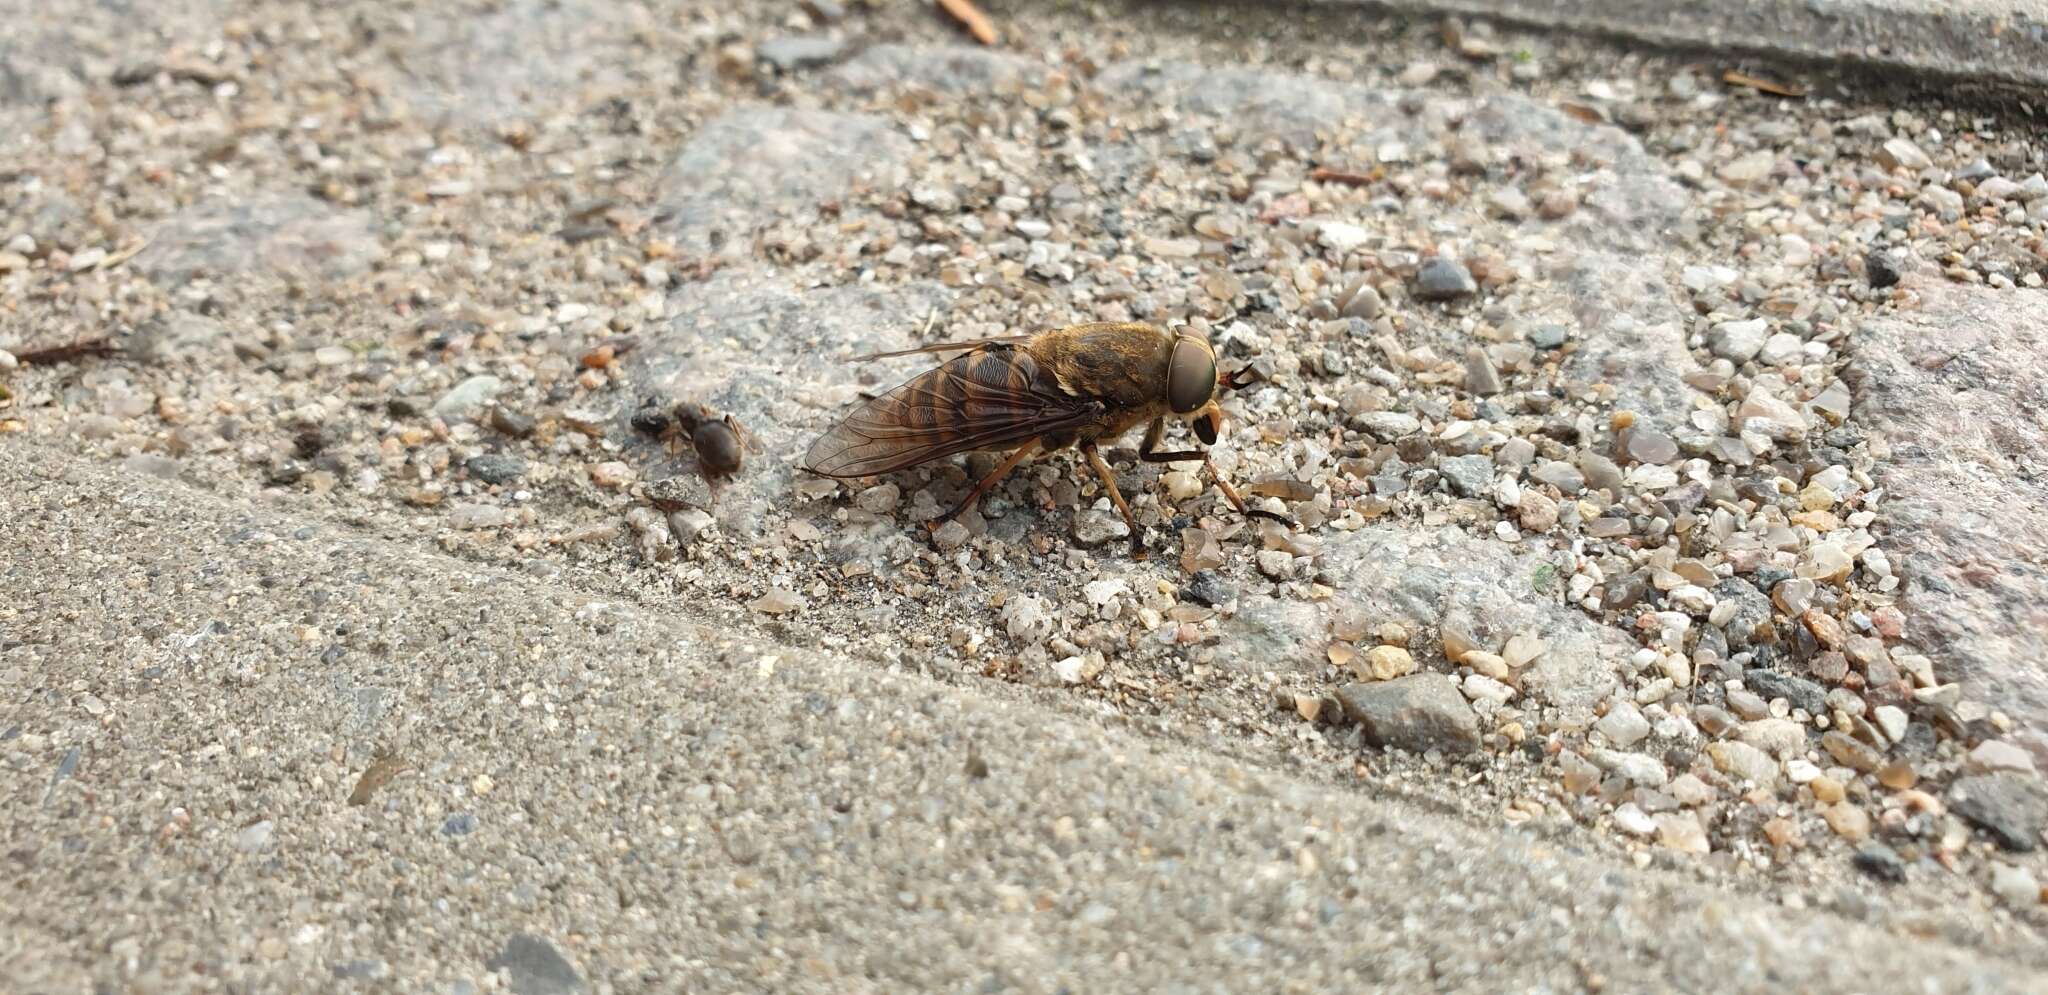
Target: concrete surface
<point>2002,42</point>
<point>606,796</point>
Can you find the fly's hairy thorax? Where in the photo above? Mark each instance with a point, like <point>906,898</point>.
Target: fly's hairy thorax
<point>1122,365</point>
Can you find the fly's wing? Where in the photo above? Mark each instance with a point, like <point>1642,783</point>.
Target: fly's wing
<point>987,399</point>
<point>944,347</point>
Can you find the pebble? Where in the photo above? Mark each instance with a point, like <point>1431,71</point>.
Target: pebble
<point>1901,153</point>
<point>1418,712</point>
<point>1681,831</point>
<point>1851,753</point>
<point>778,601</point>
<point>1801,692</point>
<point>1881,862</point>
<point>1341,238</point>
<point>1882,268</point>
<point>950,536</point>
<point>1094,526</point>
<point>880,499</point>
<point>799,52</point>
<point>1536,511</point>
<point>1996,755</point>
<point>1737,340</point>
<point>1782,738</point>
<point>1384,663</point>
<point>1891,720</point>
<point>612,474</point>
<point>1365,304</point>
<point>1782,349</point>
<point>1634,820</point>
<point>254,837</point>
<point>469,517</point>
<point>1849,821</point>
<point>468,396</point>
<point>1623,725</point>
<point>1637,768</point>
<point>495,468</point>
<point>1441,279</point>
<point>2012,808</point>
<point>1388,426</point>
<point>1548,337</point>
<point>1480,376</point>
<point>688,523</point>
<point>1748,169</point>
<point>1469,476</point>
<point>2015,886</point>
<point>1689,790</point>
<point>1744,762</point>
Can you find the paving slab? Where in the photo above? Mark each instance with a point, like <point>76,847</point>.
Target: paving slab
<point>1990,41</point>
<point>248,750</point>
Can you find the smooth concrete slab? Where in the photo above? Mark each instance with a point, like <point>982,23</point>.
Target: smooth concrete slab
<point>1989,41</point>
<point>250,751</point>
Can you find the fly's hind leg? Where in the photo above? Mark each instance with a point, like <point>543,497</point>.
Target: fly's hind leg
<point>1148,451</point>
<point>1002,469</point>
<point>1109,480</point>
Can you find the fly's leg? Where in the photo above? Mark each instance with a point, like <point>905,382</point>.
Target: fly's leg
<point>1147,452</point>
<point>1109,480</point>
<point>997,474</point>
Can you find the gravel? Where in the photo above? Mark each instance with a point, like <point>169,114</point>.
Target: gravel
<point>1663,419</point>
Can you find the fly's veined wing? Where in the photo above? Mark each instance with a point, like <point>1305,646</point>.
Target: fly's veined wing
<point>986,399</point>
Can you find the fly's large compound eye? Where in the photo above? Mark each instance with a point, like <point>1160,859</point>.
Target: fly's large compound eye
<point>718,447</point>
<point>1190,375</point>
<point>1208,427</point>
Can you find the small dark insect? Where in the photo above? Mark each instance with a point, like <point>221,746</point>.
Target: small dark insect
<point>1076,386</point>
<point>720,441</point>
<point>81,349</point>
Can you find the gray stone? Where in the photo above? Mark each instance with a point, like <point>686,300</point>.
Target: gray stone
<point>496,468</point>
<point>468,397</point>
<point>1469,476</point>
<point>515,58</point>
<point>1751,611</point>
<point>799,52</point>
<point>1953,390</point>
<point>1632,334</point>
<point>1738,341</point>
<point>1095,526</point>
<point>1418,712</point>
<point>1442,279</point>
<point>1623,725</point>
<point>1799,691</point>
<point>535,967</point>
<point>953,69</point>
<point>1881,862</point>
<point>1548,336</point>
<point>2011,808</point>
<point>745,168</point>
<point>1388,426</point>
<point>289,236</point>
<point>1561,475</point>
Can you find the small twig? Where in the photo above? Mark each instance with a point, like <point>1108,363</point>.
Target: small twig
<point>81,349</point>
<point>971,18</point>
<point>1324,174</point>
<point>1736,78</point>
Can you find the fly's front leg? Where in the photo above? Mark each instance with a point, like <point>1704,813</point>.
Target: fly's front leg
<point>1147,452</point>
<point>1109,480</point>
